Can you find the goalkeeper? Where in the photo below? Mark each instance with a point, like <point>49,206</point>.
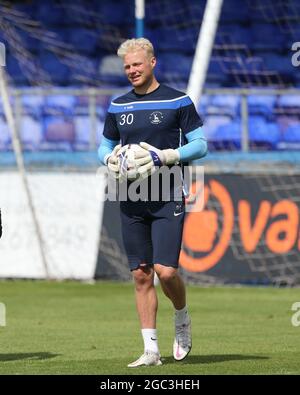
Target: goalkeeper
<point>154,116</point>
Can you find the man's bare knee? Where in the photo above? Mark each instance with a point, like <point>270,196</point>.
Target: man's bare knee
<point>167,274</point>
<point>143,277</point>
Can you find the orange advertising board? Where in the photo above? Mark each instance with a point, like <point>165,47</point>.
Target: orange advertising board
<point>240,214</point>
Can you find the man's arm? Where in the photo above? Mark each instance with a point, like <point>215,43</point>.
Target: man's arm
<point>196,147</point>
<point>106,148</point>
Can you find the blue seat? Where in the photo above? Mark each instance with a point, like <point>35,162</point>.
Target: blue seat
<point>266,36</point>
<point>233,12</point>
<point>50,13</point>
<point>58,133</point>
<point>290,139</point>
<point>82,40</point>
<point>176,66</point>
<point>293,133</point>
<point>215,73</point>
<point>289,101</point>
<point>56,70</point>
<point>15,71</point>
<point>63,102</point>
<point>172,38</point>
<point>82,132</point>
<point>33,101</point>
<point>84,72</point>
<point>226,137</point>
<point>118,12</point>
<point>28,9</point>
<point>261,105</point>
<point>33,44</point>
<point>233,34</point>
<point>31,131</point>
<point>280,63</point>
<point>171,13</point>
<point>227,104</point>
<point>263,134</point>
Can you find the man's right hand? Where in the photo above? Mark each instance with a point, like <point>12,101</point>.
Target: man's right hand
<point>112,161</point>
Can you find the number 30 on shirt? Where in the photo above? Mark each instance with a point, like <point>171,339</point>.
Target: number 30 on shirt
<point>126,118</point>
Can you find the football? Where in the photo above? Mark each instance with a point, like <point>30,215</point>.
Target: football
<point>126,160</point>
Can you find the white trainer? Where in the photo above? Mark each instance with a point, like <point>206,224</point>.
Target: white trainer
<point>147,359</point>
<point>183,341</point>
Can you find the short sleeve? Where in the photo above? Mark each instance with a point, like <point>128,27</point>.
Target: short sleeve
<point>110,130</point>
<point>189,119</point>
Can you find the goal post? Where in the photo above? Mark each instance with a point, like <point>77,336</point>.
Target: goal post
<point>204,49</point>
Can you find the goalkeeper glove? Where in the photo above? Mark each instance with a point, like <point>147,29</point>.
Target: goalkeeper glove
<point>156,157</point>
<point>112,161</point>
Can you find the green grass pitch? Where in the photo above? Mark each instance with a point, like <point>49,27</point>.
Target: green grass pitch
<point>78,328</point>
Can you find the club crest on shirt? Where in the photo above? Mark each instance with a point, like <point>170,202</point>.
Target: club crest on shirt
<point>156,117</point>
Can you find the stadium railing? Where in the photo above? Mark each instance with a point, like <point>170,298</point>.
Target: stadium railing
<point>70,119</point>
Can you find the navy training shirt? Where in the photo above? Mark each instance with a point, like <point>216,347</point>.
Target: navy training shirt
<point>156,118</point>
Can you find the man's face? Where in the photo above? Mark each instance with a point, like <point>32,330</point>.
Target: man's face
<point>139,67</point>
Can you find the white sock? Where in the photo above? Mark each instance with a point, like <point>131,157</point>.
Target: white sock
<point>150,340</point>
<point>181,316</point>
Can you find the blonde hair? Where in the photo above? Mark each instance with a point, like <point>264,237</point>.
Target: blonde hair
<point>134,44</point>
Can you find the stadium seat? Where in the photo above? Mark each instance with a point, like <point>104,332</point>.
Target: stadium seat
<point>212,122</point>
<point>215,73</point>
<point>26,8</point>
<point>261,105</point>
<point>289,101</point>
<point>50,13</point>
<point>290,138</point>
<point>111,70</point>
<point>263,134</point>
<point>83,40</point>
<point>233,12</point>
<point>82,132</point>
<point>233,34</point>
<point>119,12</point>
<point>203,103</point>
<point>226,136</point>
<point>53,66</point>
<point>227,104</point>
<point>33,102</point>
<point>181,40</point>
<point>176,66</point>
<point>58,122</point>
<point>284,121</point>
<point>31,132</point>
<point>293,133</point>
<point>276,62</point>
<point>265,36</point>
<point>58,133</point>
<point>31,43</point>
<point>15,71</point>
<point>63,102</point>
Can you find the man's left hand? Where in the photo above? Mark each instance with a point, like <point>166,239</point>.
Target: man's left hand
<point>156,157</point>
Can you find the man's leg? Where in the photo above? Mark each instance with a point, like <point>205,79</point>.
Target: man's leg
<point>172,285</point>
<point>145,296</point>
<point>146,303</point>
<point>174,288</point>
